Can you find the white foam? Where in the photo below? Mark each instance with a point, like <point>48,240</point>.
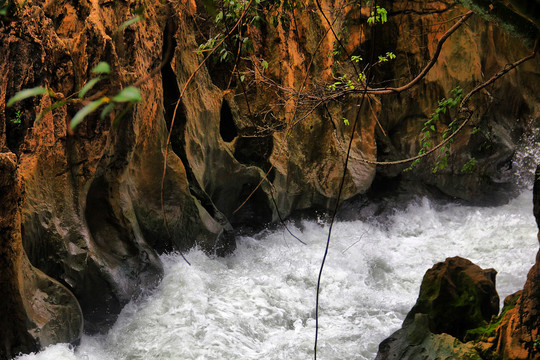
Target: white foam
<point>259,302</point>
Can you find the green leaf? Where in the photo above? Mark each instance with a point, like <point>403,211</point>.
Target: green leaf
<point>81,114</point>
<point>88,86</point>
<point>102,68</point>
<point>140,10</point>
<point>128,94</point>
<point>218,17</point>
<point>264,64</point>
<point>242,78</point>
<point>129,22</point>
<point>107,110</point>
<point>25,94</point>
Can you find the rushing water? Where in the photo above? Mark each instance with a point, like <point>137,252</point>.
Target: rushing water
<point>259,302</point>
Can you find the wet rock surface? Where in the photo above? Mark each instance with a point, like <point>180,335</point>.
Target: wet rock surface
<point>36,310</point>
<point>416,341</point>
<point>517,333</point>
<point>455,296</point>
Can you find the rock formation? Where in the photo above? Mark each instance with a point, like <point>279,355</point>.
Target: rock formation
<point>36,310</point>
<point>455,296</point>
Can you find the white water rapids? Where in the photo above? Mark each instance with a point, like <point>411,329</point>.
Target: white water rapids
<point>259,302</point>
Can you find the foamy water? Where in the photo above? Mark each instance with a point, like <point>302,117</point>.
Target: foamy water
<point>259,302</point>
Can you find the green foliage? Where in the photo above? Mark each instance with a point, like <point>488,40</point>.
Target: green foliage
<point>11,8</point>
<point>226,13</point>
<point>378,15</point>
<point>139,15</point>
<point>430,127</point>
<point>25,94</point>
<point>469,166</point>
<point>102,68</point>
<point>389,56</point>
<point>346,121</point>
<point>17,120</point>
<point>129,22</point>
<point>88,86</point>
<point>343,82</point>
<point>128,95</point>
<point>86,110</point>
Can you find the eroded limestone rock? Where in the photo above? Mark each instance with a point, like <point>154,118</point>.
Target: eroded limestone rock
<point>36,310</point>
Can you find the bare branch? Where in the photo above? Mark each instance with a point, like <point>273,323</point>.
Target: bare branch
<point>462,109</point>
<point>427,68</point>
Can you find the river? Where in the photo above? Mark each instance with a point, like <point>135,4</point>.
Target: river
<point>259,302</point>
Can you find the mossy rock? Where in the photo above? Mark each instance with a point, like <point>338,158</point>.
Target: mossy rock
<point>457,295</point>
<point>415,342</point>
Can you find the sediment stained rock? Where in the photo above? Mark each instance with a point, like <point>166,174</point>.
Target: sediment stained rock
<point>92,215</point>
<point>36,310</point>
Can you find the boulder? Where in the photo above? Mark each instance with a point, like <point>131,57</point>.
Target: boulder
<point>415,341</point>
<point>457,295</point>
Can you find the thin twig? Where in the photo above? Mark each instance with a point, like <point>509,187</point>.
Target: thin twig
<point>354,243</point>
<point>334,213</point>
<point>281,219</point>
<point>462,109</point>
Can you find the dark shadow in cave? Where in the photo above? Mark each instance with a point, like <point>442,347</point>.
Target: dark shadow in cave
<point>227,127</point>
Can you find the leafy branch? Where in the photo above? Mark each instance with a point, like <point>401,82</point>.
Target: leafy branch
<point>429,128</point>
<point>127,95</point>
